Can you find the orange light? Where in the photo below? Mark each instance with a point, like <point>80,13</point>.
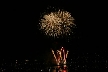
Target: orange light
<point>64,71</point>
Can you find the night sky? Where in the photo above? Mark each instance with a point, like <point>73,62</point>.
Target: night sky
<point>20,36</point>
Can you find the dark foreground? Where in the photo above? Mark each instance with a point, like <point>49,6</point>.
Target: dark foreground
<point>76,62</point>
<point>36,66</point>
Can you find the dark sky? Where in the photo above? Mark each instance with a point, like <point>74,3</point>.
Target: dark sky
<point>20,35</point>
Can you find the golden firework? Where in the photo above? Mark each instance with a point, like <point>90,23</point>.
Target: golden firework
<point>57,23</point>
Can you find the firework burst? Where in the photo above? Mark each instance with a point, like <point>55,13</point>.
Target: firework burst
<point>60,56</point>
<point>57,23</point>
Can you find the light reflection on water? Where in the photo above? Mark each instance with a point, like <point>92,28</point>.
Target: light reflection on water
<point>59,69</point>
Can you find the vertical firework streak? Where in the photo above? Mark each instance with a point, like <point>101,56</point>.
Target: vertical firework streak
<point>54,55</point>
<point>60,56</point>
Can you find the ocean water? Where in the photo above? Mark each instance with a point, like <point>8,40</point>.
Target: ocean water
<point>87,62</point>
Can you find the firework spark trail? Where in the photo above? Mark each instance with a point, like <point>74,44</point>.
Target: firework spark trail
<point>60,57</point>
<point>54,55</point>
<point>67,54</point>
<point>57,23</point>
